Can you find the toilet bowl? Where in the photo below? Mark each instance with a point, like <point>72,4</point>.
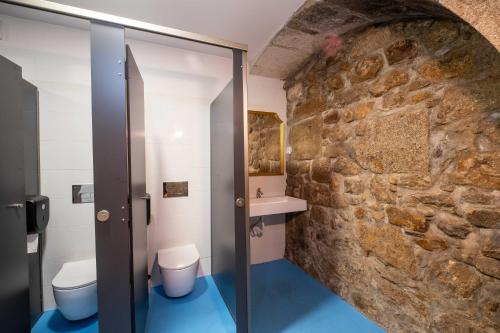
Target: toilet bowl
<point>75,289</point>
<point>178,268</point>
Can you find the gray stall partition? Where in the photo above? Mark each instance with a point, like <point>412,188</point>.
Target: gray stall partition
<point>222,196</point>
<point>229,190</point>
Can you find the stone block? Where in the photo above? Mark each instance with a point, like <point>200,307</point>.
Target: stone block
<point>346,166</point>
<point>474,196</point>
<point>460,101</point>
<point>452,225</point>
<point>396,143</point>
<point>322,170</point>
<point>441,200</point>
<point>390,80</point>
<point>455,63</point>
<point>458,277</point>
<point>441,33</point>
<point>407,219</point>
<point>393,100</point>
<point>335,82</point>
<point>488,266</point>
<point>353,186</point>
<point>484,218</point>
<point>331,117</point>
<point>401,50</point>
<point>311,106</point>
<point>381,191</point>
<point>413,181</point>
<point>361,110</point>
<point>432,244</point>
<point>491,243</point>
<point>367,68</point>
<point>388,244</point>
<point>305,139</point>
<point>477,169</point>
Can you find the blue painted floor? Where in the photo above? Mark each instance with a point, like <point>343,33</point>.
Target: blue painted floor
<point>284,299</point>
<point>287,299</point>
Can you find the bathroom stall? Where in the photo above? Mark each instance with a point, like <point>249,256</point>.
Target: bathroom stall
<point>106,166</point>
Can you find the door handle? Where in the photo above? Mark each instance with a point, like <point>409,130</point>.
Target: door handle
<point>147,197</point>
<point>15,205</point>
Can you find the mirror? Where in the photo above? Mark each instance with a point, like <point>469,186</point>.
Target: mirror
<point>265,144</point>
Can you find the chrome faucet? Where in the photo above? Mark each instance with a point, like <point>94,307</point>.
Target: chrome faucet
<point>259,193</point>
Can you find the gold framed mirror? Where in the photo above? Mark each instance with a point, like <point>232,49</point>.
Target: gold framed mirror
<point>266,141</point>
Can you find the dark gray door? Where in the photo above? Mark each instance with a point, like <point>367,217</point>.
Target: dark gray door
<point>229,193</point>
<point>137,173</point>
<point>14,277</point>
<point>111,178</point>
<point>119,182</point>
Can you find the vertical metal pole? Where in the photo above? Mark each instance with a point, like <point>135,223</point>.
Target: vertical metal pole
<point>241,191</point>
<point>111,181</point>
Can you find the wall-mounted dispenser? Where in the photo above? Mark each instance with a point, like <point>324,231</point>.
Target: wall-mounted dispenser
<point>37,213</point>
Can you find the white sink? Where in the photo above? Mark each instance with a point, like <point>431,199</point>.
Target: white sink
<point>276,205</point>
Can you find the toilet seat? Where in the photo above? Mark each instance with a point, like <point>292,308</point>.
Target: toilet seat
<point>178,257</point>
<point>76,274</point>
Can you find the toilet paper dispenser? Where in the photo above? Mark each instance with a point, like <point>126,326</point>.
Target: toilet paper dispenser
<point>37,213</point>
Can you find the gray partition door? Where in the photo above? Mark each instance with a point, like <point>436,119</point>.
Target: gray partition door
<point>14,276</point>
<point>137,173</point>
<point>119,183</point>
<point>229,192</point>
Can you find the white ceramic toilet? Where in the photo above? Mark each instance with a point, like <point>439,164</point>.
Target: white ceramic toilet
<point>75,289</point>
<point>178,268</point>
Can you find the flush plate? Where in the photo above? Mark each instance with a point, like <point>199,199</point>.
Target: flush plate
<point>175,189</point>
<point>83,193</point>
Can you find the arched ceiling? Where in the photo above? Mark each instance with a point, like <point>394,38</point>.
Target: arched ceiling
<point>304,34</point>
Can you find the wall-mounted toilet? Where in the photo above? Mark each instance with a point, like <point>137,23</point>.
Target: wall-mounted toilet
<point>75,289</point>
<point>178,268</point>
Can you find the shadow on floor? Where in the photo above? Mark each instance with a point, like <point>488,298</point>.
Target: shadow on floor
<point>53,322</point>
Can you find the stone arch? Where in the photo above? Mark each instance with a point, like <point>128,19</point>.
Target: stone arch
<point>304,33</point>
<point>483,15</point>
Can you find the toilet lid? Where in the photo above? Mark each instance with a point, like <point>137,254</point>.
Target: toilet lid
<point>75,274</point>
<point>178,257</point>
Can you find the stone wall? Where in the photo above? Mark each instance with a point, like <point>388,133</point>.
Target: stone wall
<point>396,147</point>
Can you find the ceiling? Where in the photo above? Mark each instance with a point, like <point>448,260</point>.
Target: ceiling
<point>252,22</point>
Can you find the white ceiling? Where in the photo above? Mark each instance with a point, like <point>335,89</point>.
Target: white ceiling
<point>252,22</point>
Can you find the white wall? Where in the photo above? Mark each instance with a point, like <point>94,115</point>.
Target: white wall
<point>265,94</point>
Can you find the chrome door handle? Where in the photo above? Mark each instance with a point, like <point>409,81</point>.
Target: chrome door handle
<point>16,205</point>
<point>240,202</point>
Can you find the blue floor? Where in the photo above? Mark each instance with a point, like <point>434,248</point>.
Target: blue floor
<point>284,299</point>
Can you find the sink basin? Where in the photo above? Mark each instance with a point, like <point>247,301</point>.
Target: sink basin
<point>276,205</point>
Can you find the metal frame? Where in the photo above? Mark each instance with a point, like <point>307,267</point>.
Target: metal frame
<point>91,15</point>
<point>242,237</point>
